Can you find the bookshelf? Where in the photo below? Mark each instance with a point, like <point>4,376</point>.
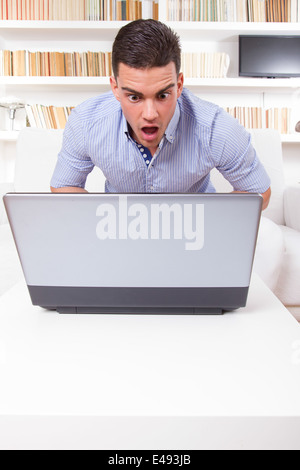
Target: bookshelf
<point>98,36</point>
<point>64,35</point>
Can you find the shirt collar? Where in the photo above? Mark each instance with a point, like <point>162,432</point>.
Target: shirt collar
<point>125,127</point>
<point>170,131</point>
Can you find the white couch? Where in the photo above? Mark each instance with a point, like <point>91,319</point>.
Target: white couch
<point>284,211</point>
<point>36,157</point>
<point>277,258</point>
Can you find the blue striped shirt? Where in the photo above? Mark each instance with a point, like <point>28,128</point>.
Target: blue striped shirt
<point>199,137</point>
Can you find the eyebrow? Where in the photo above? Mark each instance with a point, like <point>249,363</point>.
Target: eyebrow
<point>134,92</point>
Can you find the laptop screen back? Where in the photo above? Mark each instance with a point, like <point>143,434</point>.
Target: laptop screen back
<point>135,241</point>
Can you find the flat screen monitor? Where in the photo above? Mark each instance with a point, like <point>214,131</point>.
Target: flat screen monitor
<point>269,56</point>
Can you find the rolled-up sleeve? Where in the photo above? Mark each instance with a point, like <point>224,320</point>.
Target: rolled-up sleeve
<point>235,156</point>
<point>73,163</point>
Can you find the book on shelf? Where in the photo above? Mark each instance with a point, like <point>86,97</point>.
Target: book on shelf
<point>55,64</point>
<point>98,64</point>
<point>234,10</point>
<point>78,10</point>
<point>205,64</point>
<point>259,118</point>
<point>47,117</point>
<point>56,117</point>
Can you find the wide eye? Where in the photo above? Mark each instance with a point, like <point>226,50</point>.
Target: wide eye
<point>133,98</point>
<point>163,96</point>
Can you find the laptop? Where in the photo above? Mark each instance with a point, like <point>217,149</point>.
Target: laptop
<point>136,253</point>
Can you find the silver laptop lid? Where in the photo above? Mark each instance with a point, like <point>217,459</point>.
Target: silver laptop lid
<point>135,240</point>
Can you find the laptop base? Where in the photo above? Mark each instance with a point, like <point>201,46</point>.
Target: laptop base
<point>140,310</point>
<point>139,301</point>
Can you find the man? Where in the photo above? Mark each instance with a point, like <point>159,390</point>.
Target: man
<point>151,134</point>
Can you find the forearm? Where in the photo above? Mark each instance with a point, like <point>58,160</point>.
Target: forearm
<point>68,189</point>
<point>266,197</point>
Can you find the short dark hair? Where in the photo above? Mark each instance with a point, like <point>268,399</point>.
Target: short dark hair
<point>144,44</point>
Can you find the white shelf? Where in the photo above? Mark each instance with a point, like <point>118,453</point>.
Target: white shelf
<point>265,27</point>
<point>64,30</point>
<point>226,31</point>
<point>222,83</point>
<point>188,30</point>
<point>10,24</point>
<point>290,138</point>
<point>9,136</point>
<point>99,25</point>
<point>54,81</point>
<point>239,82</point>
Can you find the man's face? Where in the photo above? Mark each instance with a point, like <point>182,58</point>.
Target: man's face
<point>148,99</point>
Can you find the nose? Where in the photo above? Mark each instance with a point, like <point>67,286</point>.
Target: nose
<point>149,110</point>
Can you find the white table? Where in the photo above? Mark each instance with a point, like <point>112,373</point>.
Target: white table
<point>149,382</point>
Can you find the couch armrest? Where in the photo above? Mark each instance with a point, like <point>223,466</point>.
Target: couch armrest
<point>4,188</point>
<point>291,201</point>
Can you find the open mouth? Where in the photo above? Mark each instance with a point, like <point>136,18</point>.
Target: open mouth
<point>150,132</point>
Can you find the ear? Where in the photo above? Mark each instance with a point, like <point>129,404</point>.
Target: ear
<point>114,87</point>
<point>180,81</point>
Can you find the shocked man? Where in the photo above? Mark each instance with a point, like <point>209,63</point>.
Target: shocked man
<point>150,134</point>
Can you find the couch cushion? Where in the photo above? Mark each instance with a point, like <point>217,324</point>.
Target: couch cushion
<point>10,267</point>
<point>267,144</point>
<point>269,252</point>
<point>37,151</point>
<point>292,207</point>
<point>288,286</point>
<point>220,183</point>
<point>4,188</point>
